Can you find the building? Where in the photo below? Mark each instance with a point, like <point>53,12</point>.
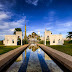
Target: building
<point>56,39</point>
<point>12,39</point>
<point>33,38</point>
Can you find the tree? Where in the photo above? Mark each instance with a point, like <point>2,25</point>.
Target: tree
<point>1,42</point>
<point>17,29</point>
<point>69,35</point>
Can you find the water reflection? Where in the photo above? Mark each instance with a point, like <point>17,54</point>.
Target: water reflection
<point>25,54</point>
<point>33,47</point>
<point>34,59</point>
<point>47,57</point>
<point>19,58</point>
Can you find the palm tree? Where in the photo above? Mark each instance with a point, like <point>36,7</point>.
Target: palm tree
<point>17,29</point>
<point>69,35</point>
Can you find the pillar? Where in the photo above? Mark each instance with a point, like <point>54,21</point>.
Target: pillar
<point>21,41</point>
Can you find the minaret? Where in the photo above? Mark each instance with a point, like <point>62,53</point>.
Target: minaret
<point>25,31</point>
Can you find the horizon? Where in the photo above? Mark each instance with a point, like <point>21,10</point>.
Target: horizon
<point>54,15</point>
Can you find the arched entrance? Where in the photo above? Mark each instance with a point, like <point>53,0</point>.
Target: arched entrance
<point>18,40</point>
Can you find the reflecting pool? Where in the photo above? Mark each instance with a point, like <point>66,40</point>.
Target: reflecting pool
<point>34,59</point>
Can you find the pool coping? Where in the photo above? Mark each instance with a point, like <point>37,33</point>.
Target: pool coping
<point>64,59</point>
<point>6,58</point>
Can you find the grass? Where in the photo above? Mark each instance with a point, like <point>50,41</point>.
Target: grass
<point>4,49</point>
<point>63,48</point>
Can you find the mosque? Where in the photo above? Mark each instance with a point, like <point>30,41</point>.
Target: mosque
<point>54,39</point>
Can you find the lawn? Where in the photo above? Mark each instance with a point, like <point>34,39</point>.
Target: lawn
<point>63,48</point>
<point>4,49</point>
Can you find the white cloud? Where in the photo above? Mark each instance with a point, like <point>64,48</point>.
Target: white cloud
<point>34,2</point>
<point>7,28</point>
<point>65,24</point>
<point>4,15</point>
<point>12,30</point>
<point>68,24</point>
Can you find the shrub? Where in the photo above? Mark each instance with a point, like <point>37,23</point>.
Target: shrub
<point>25,41</point>
<point>41,42</point>
<point>67,42</point>
<point>70,42</point>
<point>47,42</point>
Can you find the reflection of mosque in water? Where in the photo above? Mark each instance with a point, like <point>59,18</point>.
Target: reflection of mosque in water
<point>34,48</point>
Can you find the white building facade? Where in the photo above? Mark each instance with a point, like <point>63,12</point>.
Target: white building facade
<point>12,39</point>
<point>56,39</point>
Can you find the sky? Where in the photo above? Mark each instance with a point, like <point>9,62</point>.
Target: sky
<point>53,15</point>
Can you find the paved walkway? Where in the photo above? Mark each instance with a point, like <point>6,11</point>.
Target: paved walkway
<point>63,58</point>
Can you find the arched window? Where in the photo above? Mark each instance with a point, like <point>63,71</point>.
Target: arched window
<point>18,40</point>
<point>54,41</point>
<point>18,37</point>
<point>47,38</point>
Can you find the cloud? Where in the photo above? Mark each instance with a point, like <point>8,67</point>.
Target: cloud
<point>12,29</point>
<point>7,3</point>
<point>65,24</point>
<point>34,2</point>
<point>7,27</point>
<point>4,15</point>
<point>12,25</point>
<point>1,6</point>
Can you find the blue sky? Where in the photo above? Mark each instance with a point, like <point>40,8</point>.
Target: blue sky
<point>54,15</point>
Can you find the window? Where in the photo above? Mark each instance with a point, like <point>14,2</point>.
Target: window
<point>7,40</point>
<point>59,41</point>
<point>47,38</point>
<point>54,41</point>
<point>12,41</point>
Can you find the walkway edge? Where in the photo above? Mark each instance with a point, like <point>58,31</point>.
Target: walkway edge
<point>6,58</point>
<point>64,59</point>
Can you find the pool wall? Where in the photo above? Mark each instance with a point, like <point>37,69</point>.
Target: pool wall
<point>64,59</point>
<point>8,57</point>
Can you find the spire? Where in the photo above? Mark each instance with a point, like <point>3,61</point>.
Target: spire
<point>25,23</point>
<point>25,30</point>
<point>45,29</point>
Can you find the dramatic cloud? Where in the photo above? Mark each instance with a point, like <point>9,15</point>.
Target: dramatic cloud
<point>8,27</point>
<point>41,14</point>
<point>12,25</point>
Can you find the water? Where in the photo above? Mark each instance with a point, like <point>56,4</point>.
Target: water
<point>34,59</point>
